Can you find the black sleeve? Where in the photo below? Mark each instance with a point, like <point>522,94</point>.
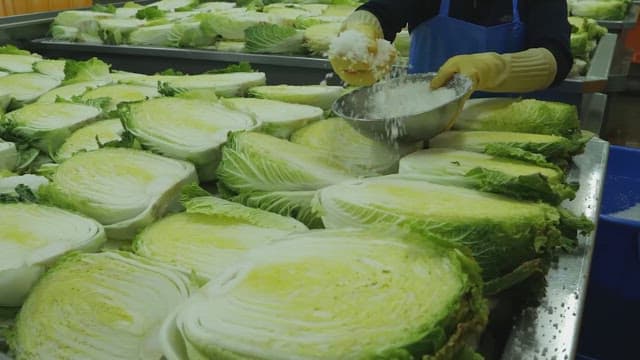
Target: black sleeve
<point>548,27</point>
<point>394,14</point>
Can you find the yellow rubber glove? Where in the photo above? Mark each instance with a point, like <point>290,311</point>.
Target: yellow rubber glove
<point>363,71</point>
<point>525,71</point>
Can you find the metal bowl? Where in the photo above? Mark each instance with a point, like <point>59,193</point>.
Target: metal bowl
<point>410,128</point>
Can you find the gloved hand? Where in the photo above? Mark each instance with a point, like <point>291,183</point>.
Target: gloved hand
<point>525,71</point>
<point>365,69</point>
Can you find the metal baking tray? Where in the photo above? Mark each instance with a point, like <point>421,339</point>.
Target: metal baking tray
<point>627,23</point>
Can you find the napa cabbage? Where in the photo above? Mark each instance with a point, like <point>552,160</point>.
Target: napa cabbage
<point>318,38</point>
<point>322,96</point>
<point>513,178</point>
<point>336,295</point>
<point>226,85</point>
<point>99,306</point>
<point>185,129</point>
<point>33,237</point>
<point>124,189</point>
<point>277,118</point>
<point>90,138</point>
<point>26,87</point>
<point>119,93</point>
<point>502,233</point>
<point>211,235</point>
<point>273,39</point>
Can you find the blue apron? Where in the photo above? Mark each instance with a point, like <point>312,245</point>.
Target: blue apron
<point>436,40</point>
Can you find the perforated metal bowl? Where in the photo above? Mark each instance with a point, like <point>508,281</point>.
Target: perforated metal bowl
<point>411,127</point>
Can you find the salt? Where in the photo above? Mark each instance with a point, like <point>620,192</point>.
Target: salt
<point>354,46</point>
<point>405,99</point>
<point>632,213</point>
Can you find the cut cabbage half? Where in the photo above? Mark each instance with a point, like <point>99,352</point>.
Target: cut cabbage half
<point>225,85</point>
<point>333,295</point>
<point>119,93</point>
<point>211,235</point>
<point>321,96</point>
<point>124,189</point>
<point>27,87</point>
<point>99,307</point>
<point>8,155</point>
<point>89,137</point>
<point>48,125</point>
<point>185,129</point>
<point>67,92</point>
<point>278,118</point>
<point>32,237</point>
<point>52,68</point>
<point>14,63</point>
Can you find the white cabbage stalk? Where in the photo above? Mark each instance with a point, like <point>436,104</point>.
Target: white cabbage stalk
<point>322,96</point>
<point>48,125</point>
<point>119,93</point>
<point>225,85</point>
<point>99,307</point>
<point>211,235</point>
<point>360,154</point>
<point>278,118</point>
<point>14,63</point>
<point>66,92</point>
<point>124,189</point>
<point>86,138</point>
<point>8,184</point>
<point>8,155</point>
<point>26,87</point>
<point>229,46</point>
<point>53,68</point>
<point>33,236</point>
<point>186,129</point>
<point>170,5</point>
<point>325,295</point>
<point>79,18</point>
<point>215,6</point>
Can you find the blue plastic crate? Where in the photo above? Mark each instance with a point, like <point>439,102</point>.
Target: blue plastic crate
<point>612,310</point>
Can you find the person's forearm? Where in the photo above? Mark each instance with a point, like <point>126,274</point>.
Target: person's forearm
<point>392,14</point>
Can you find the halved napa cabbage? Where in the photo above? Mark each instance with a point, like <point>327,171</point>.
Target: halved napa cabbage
<point>48,125</point>
<point>8,155</point>
<point>170,5</point>
<point>229,46</point>
<point>259,162</point>
<point>272,174</point>
<point>26,88</point>
<point>317,38</point>
<point>33,237</point>
<point>119,93</point>
<point>483,172</point>
<point>15,63</point>
<point>211,235</point>
<point>333,295</point>
<point>286,14</point>
<point>321,96</point>
<point>215,6</point>
<point>360,154</point>
<point>278,118</point>
<point>502,233</point>
<point>67,92</point>
<point>64,33</point>
<point>231,24</point>
<point>79,18</point>
<point>518,115</point>
<point>9,184</point>
<point>226,85</point>
<point>99,306</point>
<point>536,148</point>
<point>116,30</point>
<point>124,189</point>
<point>154,35</point>
<point>185,129</point>
<point>90,137</point>
<point>53,68</point>
<point>273,39</point>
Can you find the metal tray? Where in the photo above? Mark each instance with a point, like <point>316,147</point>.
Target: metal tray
<point>551,330</point>
<point>627,23</point>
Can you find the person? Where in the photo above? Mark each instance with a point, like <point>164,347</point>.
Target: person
<point>503,46</point>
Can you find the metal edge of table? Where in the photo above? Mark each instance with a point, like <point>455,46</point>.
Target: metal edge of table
<point>551,330</point>
<point>627,23</point>
<point>597,76</point>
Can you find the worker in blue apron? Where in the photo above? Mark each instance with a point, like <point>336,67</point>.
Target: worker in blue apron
<point>504,46</point>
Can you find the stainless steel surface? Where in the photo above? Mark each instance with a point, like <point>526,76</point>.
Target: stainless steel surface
<point>355,108</point>
<point>627,23</point>
<point>551,330</point>
<point>593,112</point>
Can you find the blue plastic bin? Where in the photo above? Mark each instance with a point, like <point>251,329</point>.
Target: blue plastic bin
<point>611,320</point>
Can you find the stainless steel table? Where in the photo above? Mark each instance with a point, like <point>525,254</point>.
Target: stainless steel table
<point>551,330</point>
